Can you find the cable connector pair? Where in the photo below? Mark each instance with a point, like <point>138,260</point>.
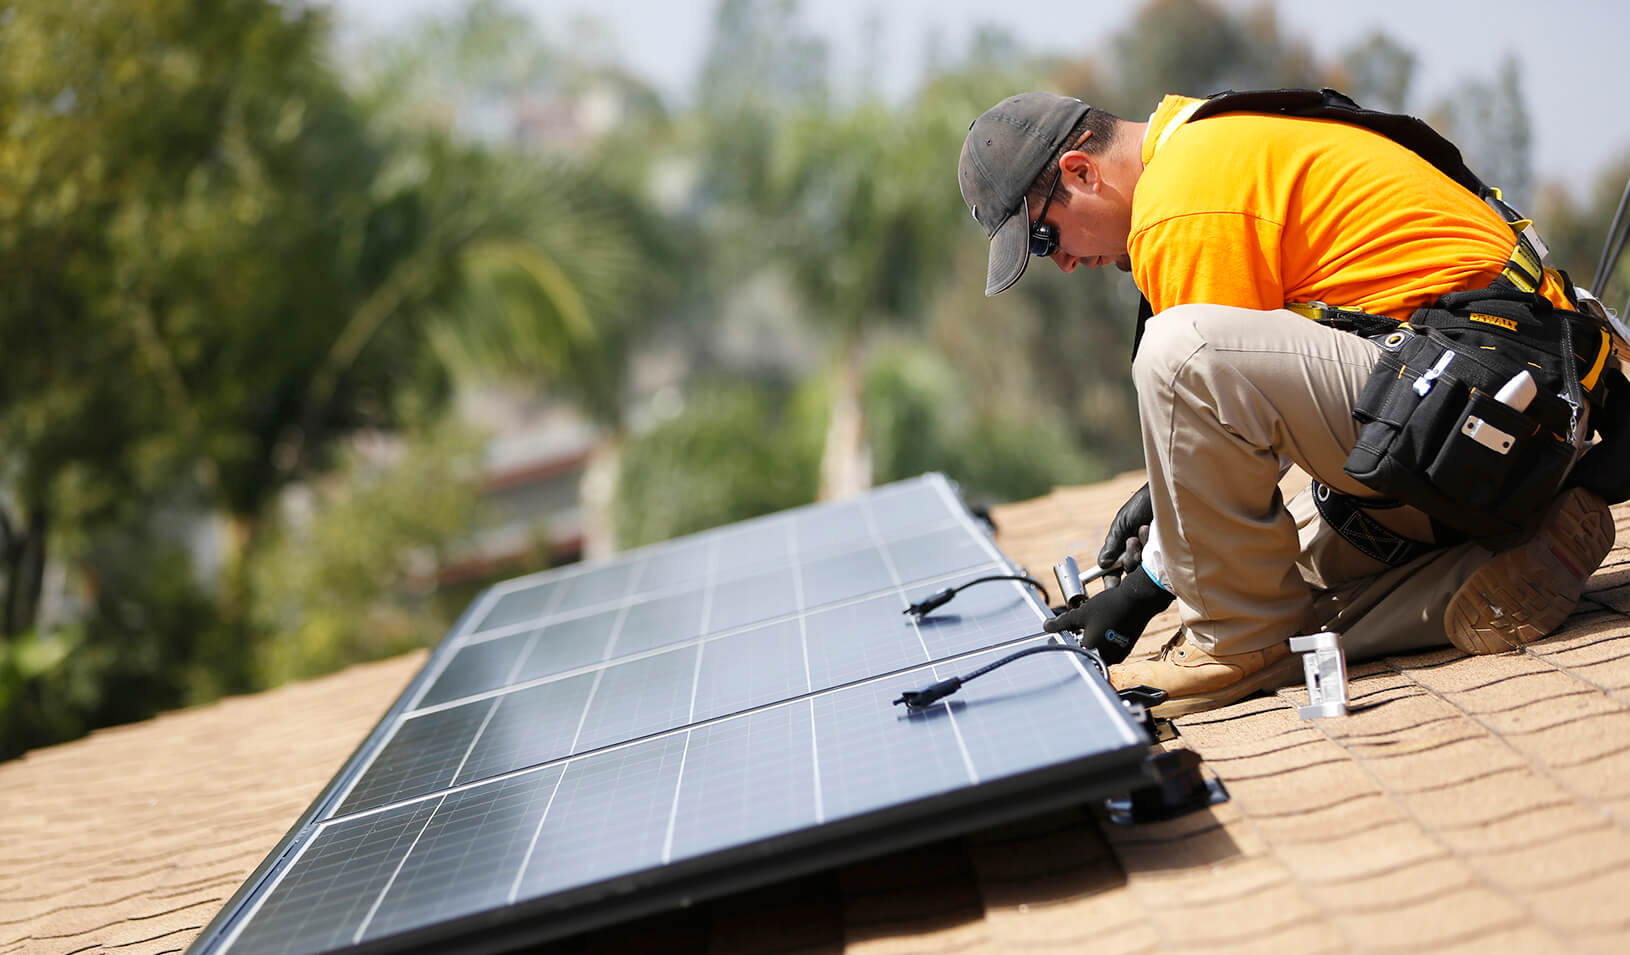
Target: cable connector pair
<point>929,695</point>
<point>940,598</point>
<point>930,603</point>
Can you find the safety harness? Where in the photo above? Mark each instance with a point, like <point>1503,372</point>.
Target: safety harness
<point>1508,326</point>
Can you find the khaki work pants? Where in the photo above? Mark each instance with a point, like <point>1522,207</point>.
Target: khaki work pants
<point>1225,394</point>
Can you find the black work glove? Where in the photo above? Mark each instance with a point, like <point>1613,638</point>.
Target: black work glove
<point>1110,622</point>
<point>1128,532</point>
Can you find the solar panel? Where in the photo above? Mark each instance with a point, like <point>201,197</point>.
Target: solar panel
<point>598,742</point>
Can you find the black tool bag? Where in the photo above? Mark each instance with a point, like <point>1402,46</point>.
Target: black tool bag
<point>1434,436</point>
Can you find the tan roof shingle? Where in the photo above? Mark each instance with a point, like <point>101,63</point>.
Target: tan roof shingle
<point>1467,804</point>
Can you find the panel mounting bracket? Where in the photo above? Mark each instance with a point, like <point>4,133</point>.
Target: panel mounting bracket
<point>1178,788</point>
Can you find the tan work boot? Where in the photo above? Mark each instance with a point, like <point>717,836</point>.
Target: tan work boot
<point>1195,680</point>
<point>1524,593</point>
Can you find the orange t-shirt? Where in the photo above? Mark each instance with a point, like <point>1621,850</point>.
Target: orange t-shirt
<point>1259,211</point>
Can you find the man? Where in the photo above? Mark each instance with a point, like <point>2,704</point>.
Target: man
<point>1223,222</point>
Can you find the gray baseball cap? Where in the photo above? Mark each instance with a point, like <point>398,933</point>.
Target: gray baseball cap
<point>1006,149</point>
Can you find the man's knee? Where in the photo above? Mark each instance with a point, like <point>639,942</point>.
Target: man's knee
<point>1172,341</point>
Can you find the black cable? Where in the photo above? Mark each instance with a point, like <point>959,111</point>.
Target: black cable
<point>938,599</point>
<point>917,699</point>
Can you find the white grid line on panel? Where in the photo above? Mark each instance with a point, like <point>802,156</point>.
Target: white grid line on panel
<point>673,811</point>
<point>526,860</point>
<point>378,900</point>
<point>712,585</point>
<point>636,595</point>
<point>509,630</point>
<point>815,765</point>
<point>681,644</point>
<point>966,519</point>
<point>982,537</point>
<point>894,574</point>
<point>514,668</point>
<point>690,717</point>
<point>612,747</point>
<point>367,764</point>
<point>809,679</point>
<point>549,619</point>
<point>479,730</point>
<point>643,555</point>
<point>959,516</point>
<point>616,631</point>
<point>455,642</point>
<point>791,529</point>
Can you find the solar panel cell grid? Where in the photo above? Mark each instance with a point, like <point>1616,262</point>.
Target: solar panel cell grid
<point>746,779</point>
<point>663,620</point>
<point>748,600</point>
<point>854,641</point>
<point>531,726</point>
<point>599,586</point>
<point>421,757</point>
<point>609,816</point>
<point>696,698</point>
<point>750,669</point>
<point>520,606</point>
<point>567,645</point>
<point>474,832</point>
<point>326,895</point>
<point>640,697</point>
<point>479,667</point>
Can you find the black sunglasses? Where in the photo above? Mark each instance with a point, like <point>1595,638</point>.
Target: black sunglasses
<point>1043,235</point>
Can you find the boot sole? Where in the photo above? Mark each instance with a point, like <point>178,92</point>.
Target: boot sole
<point>1525,593</point>
<point>1272,677</point>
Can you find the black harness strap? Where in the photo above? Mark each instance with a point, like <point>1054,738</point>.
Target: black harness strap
<point>1402,129</point>
<point>1345,515</point>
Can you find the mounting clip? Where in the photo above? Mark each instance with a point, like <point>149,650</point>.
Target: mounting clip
<point>1326,669</point>
<point>1140,701</point>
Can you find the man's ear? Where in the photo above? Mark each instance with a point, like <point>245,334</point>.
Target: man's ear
<point>1082,169</point>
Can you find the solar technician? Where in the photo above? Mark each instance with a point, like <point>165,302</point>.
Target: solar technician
<point>1279,239</point>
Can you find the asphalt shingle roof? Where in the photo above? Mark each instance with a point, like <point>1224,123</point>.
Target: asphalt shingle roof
<point>1467,804</point>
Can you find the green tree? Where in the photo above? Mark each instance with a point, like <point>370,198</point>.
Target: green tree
<point>737,449</point>
<point>1377,72</point>
<point>584,263</point>
<point>925,418</point>
<point>863,212</point>
<point>216,268</point>
<point>1576,229</point>
<point>1196,47</point>
<point>348,576</point>
<point>1488,120</point>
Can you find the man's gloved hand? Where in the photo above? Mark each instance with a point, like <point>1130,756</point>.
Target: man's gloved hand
<point>1110,622</point>
<point>1128,532</point>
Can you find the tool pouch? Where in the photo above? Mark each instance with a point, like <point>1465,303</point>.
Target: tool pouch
<point>1433,436</point>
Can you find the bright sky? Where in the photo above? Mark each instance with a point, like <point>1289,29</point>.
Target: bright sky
<point>1573,52</point>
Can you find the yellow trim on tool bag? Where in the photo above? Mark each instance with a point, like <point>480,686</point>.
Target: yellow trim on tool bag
<point>1589,381</point>
<point>1509,324</point>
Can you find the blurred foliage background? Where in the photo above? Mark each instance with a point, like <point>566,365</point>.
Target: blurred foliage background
<point>244,281</point>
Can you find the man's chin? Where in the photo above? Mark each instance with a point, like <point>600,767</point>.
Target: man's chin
<point>1124,263</point>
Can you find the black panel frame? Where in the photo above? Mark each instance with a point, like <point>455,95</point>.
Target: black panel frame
<point>779,858</point>
<point>773,859</point>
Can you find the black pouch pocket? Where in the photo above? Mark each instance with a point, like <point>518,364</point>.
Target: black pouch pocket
<point>1499,466</point>
<point>1433,437</point>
